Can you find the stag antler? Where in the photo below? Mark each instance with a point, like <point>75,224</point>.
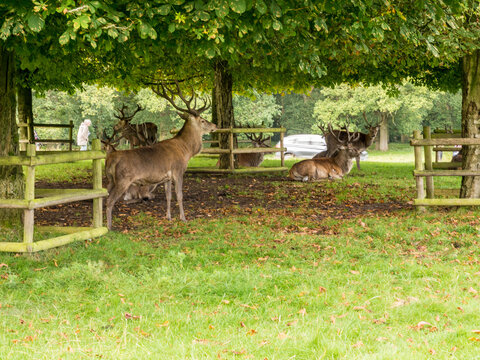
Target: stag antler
<point>162,89</point>
<point>124,117</point>
<point>369,124</point>
<point>109,142</point>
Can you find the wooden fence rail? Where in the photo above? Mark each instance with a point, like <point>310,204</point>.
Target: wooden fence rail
<point>428,170</point>
<point>30,137</point>
<point>37,198</point>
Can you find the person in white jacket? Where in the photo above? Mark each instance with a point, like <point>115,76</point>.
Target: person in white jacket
<point>83,134</point>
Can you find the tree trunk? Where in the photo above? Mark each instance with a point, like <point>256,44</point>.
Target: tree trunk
<point>25,113</point>
<point>11,177</point>
<point>471,122</point>
<point>383,133</point>
<point>224,106</point>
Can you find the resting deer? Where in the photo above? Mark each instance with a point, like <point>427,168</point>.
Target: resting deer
<point>252,159</point>
<point>137,134</point>
<point>362,143</point>
<point>164,162</point>
<point>324,168</point>
<point>134,193</point>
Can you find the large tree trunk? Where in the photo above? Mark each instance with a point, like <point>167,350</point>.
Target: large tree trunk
<point>11,177</point>
<point>224,106</point>
<point>382,143</point>
<point>471,122</point>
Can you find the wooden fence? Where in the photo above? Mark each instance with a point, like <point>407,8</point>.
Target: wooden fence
<point>38,198</point>
<point>431,169</point>
<point>231,151</point>
<point>30,137</point>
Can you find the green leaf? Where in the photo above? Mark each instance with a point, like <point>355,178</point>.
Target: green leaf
<point>164,9</point>
<point>277,25</point>
<point>35,22</point>
<point>82,21</point>
<point>239,6</point>
<point>64,38</point>
<point>275,9</point>
<point>204,16</point>
<point>112,33</point>
<point>171,27</point>
<point>222,9</point>
<point>210,53</point>
<point>145,30</point>
<point>261,7</point>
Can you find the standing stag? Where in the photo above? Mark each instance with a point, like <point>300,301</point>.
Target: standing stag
<point>162,162</point>
<point>137,134</point>
<point>335,167</point>
<point>362,143</point>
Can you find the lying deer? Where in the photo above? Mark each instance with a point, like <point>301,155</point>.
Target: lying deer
<point>324,168</point>
<point>362,143</point>
<point>134,193</point>
<point>164,162</point>
<point>251,159</point>
<point>144,134</point>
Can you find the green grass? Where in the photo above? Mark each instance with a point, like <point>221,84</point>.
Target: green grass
<point>267,286</point>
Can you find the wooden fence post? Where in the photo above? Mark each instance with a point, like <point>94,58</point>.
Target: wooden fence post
<point>282,153</point>
<point>230,143</point>
<point>97,184</point>
<point>428,162</point>
<point>419,167</point>
<point>28,217</point>
<point>70,136</point>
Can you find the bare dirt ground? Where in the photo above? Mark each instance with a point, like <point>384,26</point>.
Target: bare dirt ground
<point>207,196</point>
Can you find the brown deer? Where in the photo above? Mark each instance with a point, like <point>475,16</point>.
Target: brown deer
<point>134,193</point>
<point>253,159</point>
<point>335,167</point>
<point>364,140</point>
<point>164,162</point>
<point>137,134</point>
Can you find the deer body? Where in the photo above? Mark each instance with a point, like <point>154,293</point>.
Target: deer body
<point>164,162</point>
<point>325,168</point>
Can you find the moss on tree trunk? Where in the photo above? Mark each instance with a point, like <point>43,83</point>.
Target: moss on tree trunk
<point>11,177</point>
<point>471,122</point>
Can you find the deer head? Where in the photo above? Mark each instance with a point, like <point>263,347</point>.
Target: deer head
<point>123,119</point>
<point>258,140</point>
<point>372,129</point>
<point>189,113</point>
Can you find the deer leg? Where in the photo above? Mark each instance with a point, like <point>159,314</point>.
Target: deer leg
<point>357,159</point>
<point>168,193</point>
<point>179,193</point>
<point>113,196</point>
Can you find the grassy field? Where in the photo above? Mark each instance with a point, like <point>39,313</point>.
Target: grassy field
<point>394,285</point>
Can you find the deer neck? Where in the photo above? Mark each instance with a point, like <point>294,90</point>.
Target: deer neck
<point>191,137</point>
<point>343,161</point>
